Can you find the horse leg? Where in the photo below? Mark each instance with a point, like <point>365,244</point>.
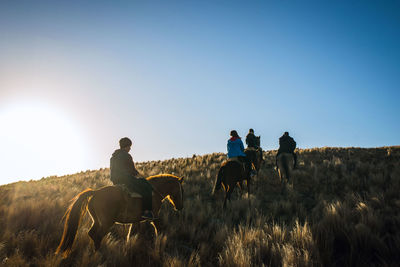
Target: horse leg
<point>248,190</point>
<point>227,194</point>
<point>94,229</point>
<point>98,230</point>
<point>230,193</point>
<point>282,178</point>
<point>248,187</point>
<point>155,228</point>
<point>103,230</point>
<point>129,233</point>
<point>287,173</point>
<point>93,233</point>
<point>240,185</point>
<point>156,224</point>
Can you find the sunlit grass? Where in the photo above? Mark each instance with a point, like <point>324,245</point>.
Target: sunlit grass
<point>341,210</point>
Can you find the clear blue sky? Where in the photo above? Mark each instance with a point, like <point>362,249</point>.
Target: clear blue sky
<point>177,76</point>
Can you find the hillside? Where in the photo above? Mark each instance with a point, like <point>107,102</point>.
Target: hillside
<point>342,210</point>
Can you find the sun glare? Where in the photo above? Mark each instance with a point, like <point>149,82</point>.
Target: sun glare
<point>38,140</point>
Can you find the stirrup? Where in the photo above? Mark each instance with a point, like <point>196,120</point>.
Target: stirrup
<point>148,215</point>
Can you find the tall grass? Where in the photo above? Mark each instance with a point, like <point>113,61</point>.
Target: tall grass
<point>341,210</point>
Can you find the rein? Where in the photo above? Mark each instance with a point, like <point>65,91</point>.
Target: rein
<point>158,192</point>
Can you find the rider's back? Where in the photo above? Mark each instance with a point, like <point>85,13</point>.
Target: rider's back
<point>251,140</point>
<point>122,167</point>
<point>287,144</point>
<point>235,148</point>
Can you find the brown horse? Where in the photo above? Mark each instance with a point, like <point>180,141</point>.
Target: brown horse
<point>232,173</point>
<point>112,204</point>
<point>256,157</point>
<point>285,166</point>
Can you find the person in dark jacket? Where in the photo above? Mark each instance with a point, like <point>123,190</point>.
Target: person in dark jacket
<point>123,171</point>
<point>251,139</point>
<point>287,145</point>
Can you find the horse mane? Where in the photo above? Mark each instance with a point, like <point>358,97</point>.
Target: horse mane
<point>163,176</point>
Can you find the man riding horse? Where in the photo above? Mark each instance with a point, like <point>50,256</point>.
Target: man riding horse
<point>287,145</point>
<point>252,140</point>
<point>253,148</point>
<point>123,172</point>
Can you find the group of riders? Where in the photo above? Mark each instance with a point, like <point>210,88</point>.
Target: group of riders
<point>124,173</point>
<point>236,148</point>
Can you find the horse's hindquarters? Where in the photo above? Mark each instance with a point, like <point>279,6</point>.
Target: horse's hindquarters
<point>285,165</point>
<point>233,172</point>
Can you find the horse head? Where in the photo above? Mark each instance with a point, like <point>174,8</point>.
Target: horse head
<point>176,194</point>
<point>169,187</point>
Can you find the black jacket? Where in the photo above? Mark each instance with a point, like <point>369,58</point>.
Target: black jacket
<point>286,144</point>
<point>251,140</point>
<point>122,167</point>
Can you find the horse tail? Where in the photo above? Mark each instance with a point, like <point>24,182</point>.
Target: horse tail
<point>73,217</point>
<point>218,182</point>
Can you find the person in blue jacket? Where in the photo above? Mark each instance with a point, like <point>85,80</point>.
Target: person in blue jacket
<point>235,146</point>
<point>236,149</point>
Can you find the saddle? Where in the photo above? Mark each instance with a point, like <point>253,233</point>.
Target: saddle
<point>236,159</point>
<point>255,149</point>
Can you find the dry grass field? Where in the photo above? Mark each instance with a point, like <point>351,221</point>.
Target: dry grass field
<point>343,209</point>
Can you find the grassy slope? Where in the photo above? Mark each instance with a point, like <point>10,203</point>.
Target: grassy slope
<point>343,209</point>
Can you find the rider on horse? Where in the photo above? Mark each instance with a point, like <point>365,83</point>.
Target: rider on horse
<point>123,172</point>
<point>287,145</point>
<point>236,150</point>
<point>236,154</point>
<point>251,139</point>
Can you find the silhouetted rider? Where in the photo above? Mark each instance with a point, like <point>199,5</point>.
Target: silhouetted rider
<point>123,171</point>
<point>251,139</point>
<point>287,145</point>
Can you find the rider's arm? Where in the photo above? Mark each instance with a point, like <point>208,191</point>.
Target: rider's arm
<point>130,166</point>
<point>241,145</point>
